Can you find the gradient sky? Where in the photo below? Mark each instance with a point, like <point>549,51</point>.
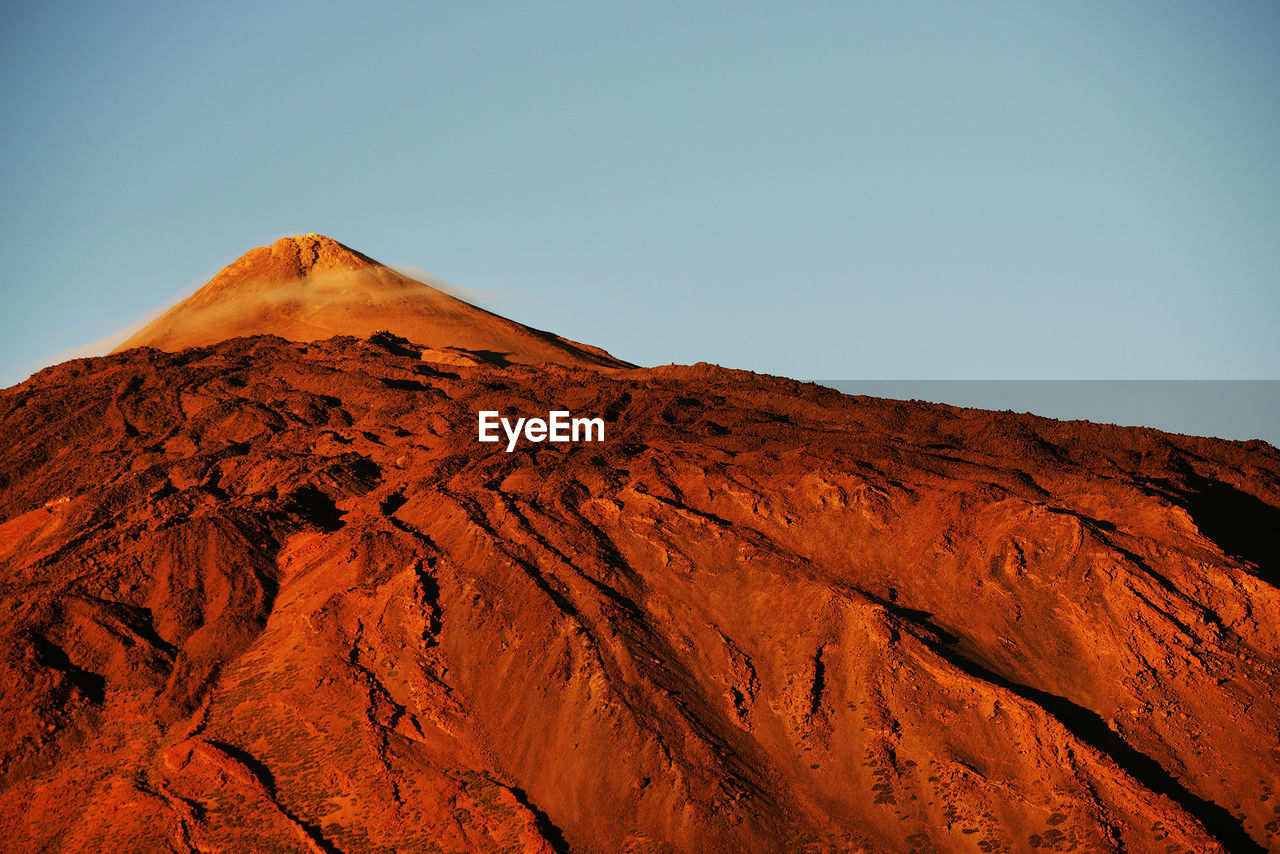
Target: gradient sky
<point>898,190</point>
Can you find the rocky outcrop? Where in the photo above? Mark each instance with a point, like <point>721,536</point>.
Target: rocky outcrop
<point>274,596</point>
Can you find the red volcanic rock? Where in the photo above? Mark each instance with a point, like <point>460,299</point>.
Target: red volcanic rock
<point>275,596</point>
<point>310,287</point>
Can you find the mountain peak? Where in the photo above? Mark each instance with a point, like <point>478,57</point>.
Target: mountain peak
<point>310,287</point>
<point>316,251</point>
<point>289,259</point>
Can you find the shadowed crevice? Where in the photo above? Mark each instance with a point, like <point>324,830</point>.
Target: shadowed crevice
<point>1241,524</point>
<point>92,685</point>
<point>1090,728</point>
<point>552,834</point>
<point>267,780</point>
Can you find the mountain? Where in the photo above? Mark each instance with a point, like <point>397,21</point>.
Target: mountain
<point>267,595</point>
<point>311,287</point>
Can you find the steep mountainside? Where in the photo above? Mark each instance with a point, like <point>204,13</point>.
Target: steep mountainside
<point>275,596</point>
<point>310,287</point>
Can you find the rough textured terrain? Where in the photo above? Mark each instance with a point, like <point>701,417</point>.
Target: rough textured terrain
<point>274,596</point>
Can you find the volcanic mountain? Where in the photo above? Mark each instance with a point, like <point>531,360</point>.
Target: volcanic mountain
<point>273,595</point>
<point>311,287</point>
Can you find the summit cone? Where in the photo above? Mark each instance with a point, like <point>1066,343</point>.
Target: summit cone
<point>311,287</point>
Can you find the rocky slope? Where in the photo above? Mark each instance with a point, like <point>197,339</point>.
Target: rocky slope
<point>274,596</point>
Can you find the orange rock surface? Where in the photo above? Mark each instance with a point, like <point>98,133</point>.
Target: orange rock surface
<point>266,595</point>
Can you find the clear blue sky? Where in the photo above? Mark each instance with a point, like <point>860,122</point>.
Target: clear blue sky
<point>897,190</point>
